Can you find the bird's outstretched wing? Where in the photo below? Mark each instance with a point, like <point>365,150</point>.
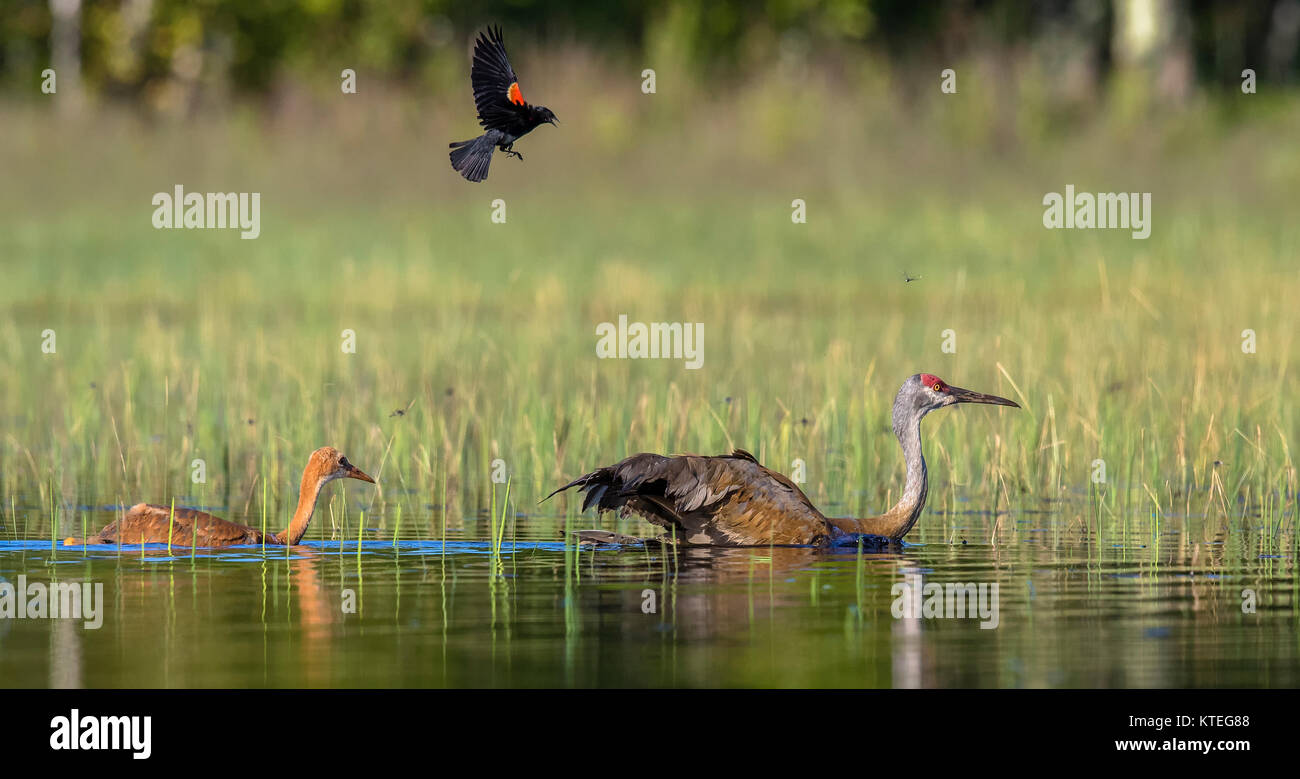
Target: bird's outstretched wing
<point>728,500</point>
<point>496,87</point>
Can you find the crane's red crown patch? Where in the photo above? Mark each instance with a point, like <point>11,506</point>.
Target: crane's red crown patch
<point>933,382</point>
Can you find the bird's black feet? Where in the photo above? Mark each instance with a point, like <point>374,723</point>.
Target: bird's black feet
<point>510,153</point>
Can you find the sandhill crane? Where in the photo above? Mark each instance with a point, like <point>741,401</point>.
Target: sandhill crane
<point>732,500</point>
<point>151,524</point>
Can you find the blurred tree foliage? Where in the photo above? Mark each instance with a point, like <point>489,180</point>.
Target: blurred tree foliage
<point>130,49</point>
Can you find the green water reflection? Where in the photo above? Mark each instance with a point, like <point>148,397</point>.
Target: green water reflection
<point>1144,610</point>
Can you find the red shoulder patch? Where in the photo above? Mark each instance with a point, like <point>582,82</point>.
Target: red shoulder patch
<point>514,95</point>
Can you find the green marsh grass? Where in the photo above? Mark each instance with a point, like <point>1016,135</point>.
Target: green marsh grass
<point>181,344</point>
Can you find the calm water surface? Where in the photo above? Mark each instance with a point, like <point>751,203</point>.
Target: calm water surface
<point>1150,607</point>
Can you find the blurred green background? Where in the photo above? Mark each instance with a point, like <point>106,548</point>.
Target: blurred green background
<point>675,206</point>
<point>171,54</point>
<point>671,206</point>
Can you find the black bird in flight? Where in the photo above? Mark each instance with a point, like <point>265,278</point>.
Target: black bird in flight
<point>501,109</point>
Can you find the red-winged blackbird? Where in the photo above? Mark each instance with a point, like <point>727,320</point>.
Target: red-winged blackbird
<point>501,109</point>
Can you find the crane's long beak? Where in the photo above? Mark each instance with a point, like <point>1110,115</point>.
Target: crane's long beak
<point>356,473</point>
<point>968,396</point>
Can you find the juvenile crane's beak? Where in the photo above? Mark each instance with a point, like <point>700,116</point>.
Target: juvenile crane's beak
<point>356,473</point>
<point>968,396</point>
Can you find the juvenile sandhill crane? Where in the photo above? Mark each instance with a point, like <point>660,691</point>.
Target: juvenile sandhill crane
<point>146,523</point>
<point>732,500</point>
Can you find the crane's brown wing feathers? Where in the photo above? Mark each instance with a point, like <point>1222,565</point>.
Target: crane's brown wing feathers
<point>725,500</point>
<point>146,523</point>
<point>496,87</point>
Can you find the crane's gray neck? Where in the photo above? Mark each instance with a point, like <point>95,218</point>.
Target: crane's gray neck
<point>907,427</point>
<point>898,520</point>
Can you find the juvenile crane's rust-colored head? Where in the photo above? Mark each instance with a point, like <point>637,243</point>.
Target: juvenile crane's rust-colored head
<point>327,464</point>
<point>324,466</point>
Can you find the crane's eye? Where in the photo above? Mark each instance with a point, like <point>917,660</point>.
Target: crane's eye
<point>937,387</point>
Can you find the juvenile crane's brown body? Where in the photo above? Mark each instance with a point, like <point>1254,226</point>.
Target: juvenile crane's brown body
<point>732,500</point>
<point>146,523</point>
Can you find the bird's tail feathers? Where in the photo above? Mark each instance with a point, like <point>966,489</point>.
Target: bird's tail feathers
<point>471,158</point>
<point>584,483</point>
